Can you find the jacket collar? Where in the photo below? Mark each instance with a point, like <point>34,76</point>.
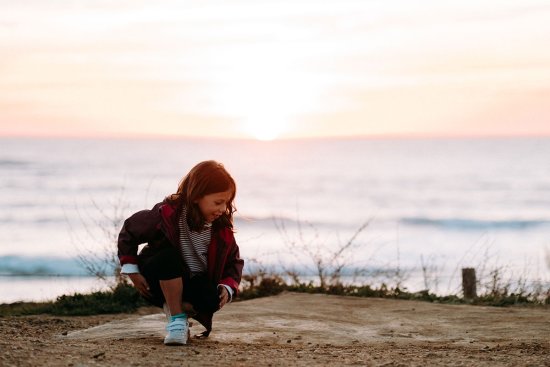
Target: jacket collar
<point>169,224</point>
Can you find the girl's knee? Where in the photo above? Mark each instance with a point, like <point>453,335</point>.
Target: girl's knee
<point>166,264</point>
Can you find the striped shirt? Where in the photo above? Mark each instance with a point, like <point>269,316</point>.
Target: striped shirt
<point>194,245</point>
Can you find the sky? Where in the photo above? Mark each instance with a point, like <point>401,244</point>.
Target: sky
<point>274,69</point>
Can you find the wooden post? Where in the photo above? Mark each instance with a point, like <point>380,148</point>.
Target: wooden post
<point>469,283</point>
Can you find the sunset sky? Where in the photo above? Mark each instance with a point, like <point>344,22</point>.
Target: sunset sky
<point>266,69</point>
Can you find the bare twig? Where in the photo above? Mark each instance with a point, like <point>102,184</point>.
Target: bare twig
<point>101,263</point>
<point>328,263</point>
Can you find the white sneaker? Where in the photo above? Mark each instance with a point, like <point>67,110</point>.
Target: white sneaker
<point>178,332</point>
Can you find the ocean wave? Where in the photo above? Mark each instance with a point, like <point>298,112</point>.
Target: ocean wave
<point>274,221</point>
<point>13,163</point>
<point>37,265</point>
<point>474,224</point>
<point>32,221</point>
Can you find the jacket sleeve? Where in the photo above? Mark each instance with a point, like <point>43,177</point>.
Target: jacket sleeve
<point>233,269</point>
<point>140,228</point>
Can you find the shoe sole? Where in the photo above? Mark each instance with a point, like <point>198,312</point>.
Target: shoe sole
<point>177,342</point>
<point>173,344</point>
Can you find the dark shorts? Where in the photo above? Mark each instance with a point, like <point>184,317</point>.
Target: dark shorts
<point>167,264</point>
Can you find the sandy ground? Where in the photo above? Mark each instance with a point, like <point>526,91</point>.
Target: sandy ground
<point>291,329</point>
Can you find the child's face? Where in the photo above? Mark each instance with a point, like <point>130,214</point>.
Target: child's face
<point>214,205</point>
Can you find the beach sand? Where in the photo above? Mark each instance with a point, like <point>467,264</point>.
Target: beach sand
<point>291,329</point>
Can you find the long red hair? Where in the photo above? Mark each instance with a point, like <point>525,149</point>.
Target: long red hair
<point>207,177</point>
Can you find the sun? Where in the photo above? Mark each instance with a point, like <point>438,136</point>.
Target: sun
<point>263,91</point>
<point>264,131</point>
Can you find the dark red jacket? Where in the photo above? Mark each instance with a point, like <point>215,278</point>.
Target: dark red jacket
<point>159,225</point>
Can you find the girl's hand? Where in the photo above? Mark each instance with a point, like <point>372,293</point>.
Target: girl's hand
<point>140,284</point>
<point>223,294</point>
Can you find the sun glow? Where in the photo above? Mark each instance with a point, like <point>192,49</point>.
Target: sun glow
<point>264,130</point>
<point>262,88</point>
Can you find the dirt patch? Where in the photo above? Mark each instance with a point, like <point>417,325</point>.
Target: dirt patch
<point>291,329</point>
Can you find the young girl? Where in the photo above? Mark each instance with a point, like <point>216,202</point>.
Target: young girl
<point>191,264</point>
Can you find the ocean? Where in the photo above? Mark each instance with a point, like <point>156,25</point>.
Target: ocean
<point>432,204</point>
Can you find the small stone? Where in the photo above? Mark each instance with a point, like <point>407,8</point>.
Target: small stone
<point>99,355</point>
<point>64,333</point>
<point>289,341</point>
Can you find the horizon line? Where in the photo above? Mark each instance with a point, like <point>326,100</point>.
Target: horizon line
<point>279,139</point>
